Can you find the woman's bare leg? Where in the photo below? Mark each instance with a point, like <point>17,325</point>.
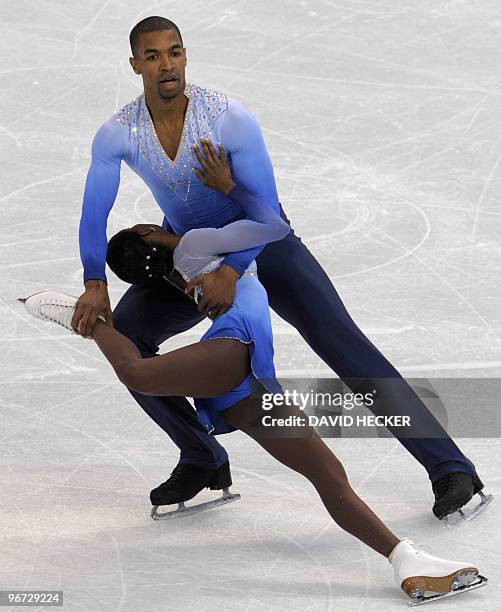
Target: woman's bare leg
<point>204,369</point>
<point>312,458</point>
<point>214,367</point>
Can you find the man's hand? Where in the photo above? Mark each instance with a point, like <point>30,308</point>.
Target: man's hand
<point>94,302</point>
<point>215,172</point>
<point>218,290</point>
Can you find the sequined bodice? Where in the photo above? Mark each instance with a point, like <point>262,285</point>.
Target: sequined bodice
<point>204,107</point>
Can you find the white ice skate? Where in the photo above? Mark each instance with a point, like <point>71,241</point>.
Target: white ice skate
<point>426,578</point>
<point>52,306</point>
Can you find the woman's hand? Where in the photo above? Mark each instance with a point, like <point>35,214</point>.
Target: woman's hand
<point>151,234</point>
<point>216,172</point>
<point>143,229</point>
<point>155,234</point>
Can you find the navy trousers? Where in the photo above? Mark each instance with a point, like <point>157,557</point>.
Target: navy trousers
<point>301,293</point>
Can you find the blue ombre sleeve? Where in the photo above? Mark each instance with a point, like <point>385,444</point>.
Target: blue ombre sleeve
<point>263,225</point>
<point>101,187</point>
<point>252,169</point>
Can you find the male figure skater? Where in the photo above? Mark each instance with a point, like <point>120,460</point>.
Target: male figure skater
<point>155,134</point>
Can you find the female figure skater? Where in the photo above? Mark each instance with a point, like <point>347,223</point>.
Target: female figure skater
<point>219,373</point>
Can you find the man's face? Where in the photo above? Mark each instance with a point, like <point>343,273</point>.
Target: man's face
<point>161,61</point>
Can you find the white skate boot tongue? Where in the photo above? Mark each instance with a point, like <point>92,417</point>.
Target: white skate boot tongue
<point>406,547</point>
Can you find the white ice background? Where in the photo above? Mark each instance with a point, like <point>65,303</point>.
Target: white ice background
<point>383,122</point>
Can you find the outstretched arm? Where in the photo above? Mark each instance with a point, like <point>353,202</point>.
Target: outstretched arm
<point>101,189</point>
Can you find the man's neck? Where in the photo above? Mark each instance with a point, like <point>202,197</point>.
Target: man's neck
<point>166,111</point>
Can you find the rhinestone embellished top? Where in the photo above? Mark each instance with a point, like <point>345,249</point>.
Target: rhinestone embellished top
<point>129,137</point>
<point>204,107</point>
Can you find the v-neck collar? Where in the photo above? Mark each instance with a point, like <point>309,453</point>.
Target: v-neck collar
<point>172,162</point>
<point>203,109</point>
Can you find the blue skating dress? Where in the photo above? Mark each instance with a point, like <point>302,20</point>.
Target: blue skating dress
<point>248,320</point>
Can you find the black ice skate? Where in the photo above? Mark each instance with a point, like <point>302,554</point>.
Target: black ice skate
<point>455,490</point>
<point>185,482</point>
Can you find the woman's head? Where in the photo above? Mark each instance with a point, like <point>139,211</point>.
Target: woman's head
<point>135,261</point>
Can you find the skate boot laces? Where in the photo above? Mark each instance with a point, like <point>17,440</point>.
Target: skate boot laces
<point>443,485</point>
<point>178,473</point>
<point>56,310</point>
<point>418,549</point>
<point>452,484</point>
<point>51,306</point>
<point>421,549</point>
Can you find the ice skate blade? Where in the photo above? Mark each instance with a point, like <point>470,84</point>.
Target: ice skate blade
<point>479,582</point>
<point>183,510</point>
<point>459,517</point>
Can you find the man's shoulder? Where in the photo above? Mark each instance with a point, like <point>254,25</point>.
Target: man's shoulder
<point>210,102</point>
<point>129,113</point>
<point>113,135</point>
<point>218,104</point>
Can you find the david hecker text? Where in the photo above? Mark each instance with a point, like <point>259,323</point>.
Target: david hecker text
<point>339,420</point>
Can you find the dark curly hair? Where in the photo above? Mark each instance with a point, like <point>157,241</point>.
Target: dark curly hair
<point>135,261</point>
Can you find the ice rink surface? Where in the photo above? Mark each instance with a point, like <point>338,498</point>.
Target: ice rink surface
<point>383,122</point>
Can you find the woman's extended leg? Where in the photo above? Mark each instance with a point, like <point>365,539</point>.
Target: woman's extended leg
<point>204,369</point>
<point>214,367</point>
<point>416,571</point>
<point>311,457</point>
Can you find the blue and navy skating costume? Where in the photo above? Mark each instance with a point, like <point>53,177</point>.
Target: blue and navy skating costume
<point>298,288</point>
